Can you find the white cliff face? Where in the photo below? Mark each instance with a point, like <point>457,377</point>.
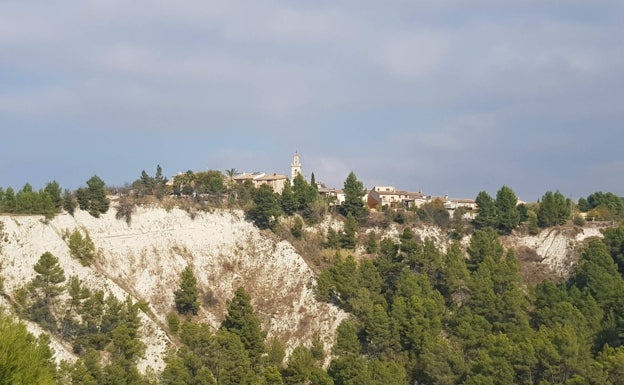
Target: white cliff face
<point>557,249</point>
<point>145,259</point>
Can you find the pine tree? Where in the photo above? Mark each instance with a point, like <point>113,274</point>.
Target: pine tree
<point>9,202</point>
<point>266,209</point>
<point>297,228</point>
<point>484,243</point>
<point>554,209</point>
<point>347,238</point>
<point>506,206</point>
<point>371,243</point>
<point>54,191</point>
<point>347,342</point>
<point>45,287</point>
<point>160,183</point>
<point>187,296</point>
<point>301,369</point>
<point>69,202</point>
<point>81,248</point>
<point>487,215</point>
<point>24,359</point>
<point>288,201</point>
<point>229,361</point>
<point>242,321</point>
<point>93,198</point>
<point>354,193</point>
<point>455,276</point>
<point>333,240</point>
<point>304,194</point>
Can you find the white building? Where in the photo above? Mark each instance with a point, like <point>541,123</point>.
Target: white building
<point>380,196</point>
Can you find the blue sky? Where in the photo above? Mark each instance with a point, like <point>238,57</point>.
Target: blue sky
<point>443,96</point>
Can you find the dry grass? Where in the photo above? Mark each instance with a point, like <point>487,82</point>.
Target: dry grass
<point>532,270</point>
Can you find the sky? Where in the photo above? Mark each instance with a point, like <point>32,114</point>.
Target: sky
<point>440,96</point>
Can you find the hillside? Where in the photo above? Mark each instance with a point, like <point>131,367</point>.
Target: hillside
<point>144,260</point>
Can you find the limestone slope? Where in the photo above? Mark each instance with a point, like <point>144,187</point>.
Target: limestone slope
<point>144,260</point>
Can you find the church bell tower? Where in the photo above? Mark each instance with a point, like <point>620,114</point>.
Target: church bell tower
<point>295,167</point>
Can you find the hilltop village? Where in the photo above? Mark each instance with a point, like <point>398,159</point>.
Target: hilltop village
<point>376,198</point>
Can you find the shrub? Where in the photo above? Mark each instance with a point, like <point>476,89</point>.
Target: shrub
<point>125,209</point>
<point>82,248</point>
<point>578,220</point>
<point>173,320</point>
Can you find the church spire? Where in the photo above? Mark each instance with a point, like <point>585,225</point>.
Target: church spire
<point>295,167</point>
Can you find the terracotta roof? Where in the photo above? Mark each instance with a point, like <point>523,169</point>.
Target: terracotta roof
<point>272,177</point>
<point>248,175</point>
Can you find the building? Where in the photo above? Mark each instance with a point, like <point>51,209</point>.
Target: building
<point>380,196</point>
<point>276,181</point>
<point>248,176</point>
<point>257,179</point>
<point>337,195</point>
<point>454,203</point>
<point>295,167</point>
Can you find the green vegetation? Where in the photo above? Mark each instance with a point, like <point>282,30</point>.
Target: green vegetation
<point>45,202</point>
<point>488,213</point>
<point>417,314</point>
<point>81,248</point>
<point>501,214</point>
<point>202,182</point>
<point>24,359</point>
<point>354,194</point>
<point>93,198</point>
<point>507,210</point>
<point>602,206</point>
<point>266,209</point>
<point>69,202</point>
<point>242,322</point>
<point>420,316</point>
<point>435,213</point>
<point>43,292</point>
<point>554,209</point>
<point>187,296</point>
<point>505,214</point>
<point>238,354</point>
<point>148,185</point>
<point>103,331</point>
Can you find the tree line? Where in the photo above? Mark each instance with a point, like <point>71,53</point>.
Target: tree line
<point>301,199</point>
<point>420,315</point>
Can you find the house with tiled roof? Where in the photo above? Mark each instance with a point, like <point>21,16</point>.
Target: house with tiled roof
<point>337,195</point>
<point>454,203</point>
<point>276,181</point>
<point>388,196</point>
